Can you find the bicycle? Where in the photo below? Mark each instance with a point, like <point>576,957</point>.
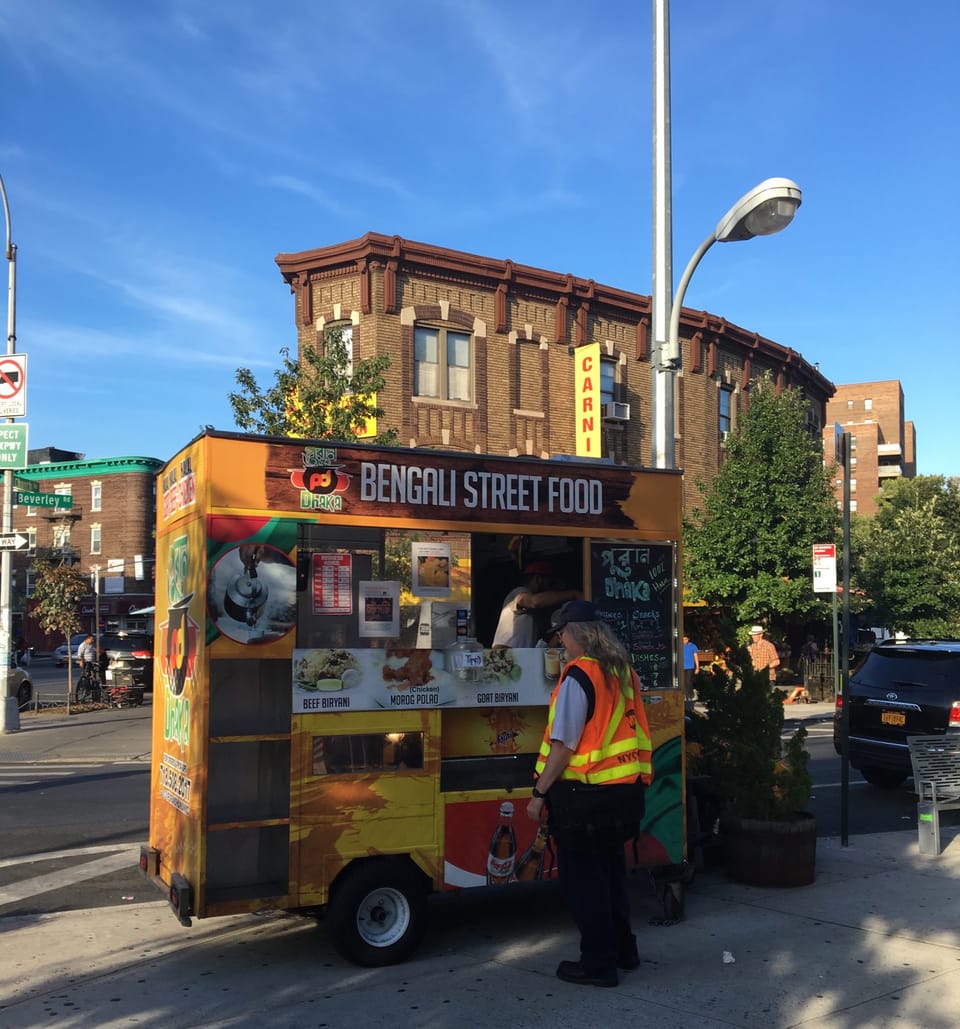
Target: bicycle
<point>89,688</point>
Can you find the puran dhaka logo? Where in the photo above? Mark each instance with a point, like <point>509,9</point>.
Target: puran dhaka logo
<point>320,481</point>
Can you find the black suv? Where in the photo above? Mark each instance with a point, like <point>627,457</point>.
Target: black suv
<point>129,652</point>
<point>903,688</point>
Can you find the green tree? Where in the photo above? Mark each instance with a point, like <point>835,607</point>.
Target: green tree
<point>57,592</point>
<point>906,557</point>
<point>319,396</point>
<point>749,546</point>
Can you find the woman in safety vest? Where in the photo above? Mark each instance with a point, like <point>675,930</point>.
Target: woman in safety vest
<point>594,762</point>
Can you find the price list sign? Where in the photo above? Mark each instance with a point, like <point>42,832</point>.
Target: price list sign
<point>332,584</point>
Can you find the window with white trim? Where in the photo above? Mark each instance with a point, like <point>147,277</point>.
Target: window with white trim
<point>32,540</point>
<point>868,404</point>
<point>94,539</point>
<point>96,496</point>
<point>30,583</point>
<point>442,364</point>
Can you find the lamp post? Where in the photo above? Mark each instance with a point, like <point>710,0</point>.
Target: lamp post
<point>9,713</point>
<point>766,209</point>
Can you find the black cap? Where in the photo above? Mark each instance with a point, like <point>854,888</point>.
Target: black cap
<point>573,611</point>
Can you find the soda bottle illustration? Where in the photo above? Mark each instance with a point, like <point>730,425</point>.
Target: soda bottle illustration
<point>503,848</point>
<point>530,866</point>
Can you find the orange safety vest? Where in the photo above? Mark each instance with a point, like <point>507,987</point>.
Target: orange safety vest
<point>615,746</point>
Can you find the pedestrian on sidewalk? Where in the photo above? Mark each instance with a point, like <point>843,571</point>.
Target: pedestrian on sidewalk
<point>595,761</point>
<point>763,653</point>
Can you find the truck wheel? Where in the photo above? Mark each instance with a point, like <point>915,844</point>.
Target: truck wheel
<point>377,914</point>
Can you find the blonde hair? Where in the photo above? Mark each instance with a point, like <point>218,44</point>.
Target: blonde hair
<point>598,641</point>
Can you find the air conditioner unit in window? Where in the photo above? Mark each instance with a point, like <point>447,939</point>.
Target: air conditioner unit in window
<point>615,412</point>
<point>724,435</point>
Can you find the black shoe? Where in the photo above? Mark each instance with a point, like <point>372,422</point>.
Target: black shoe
<point>628,962</point>
<point>572,972</point>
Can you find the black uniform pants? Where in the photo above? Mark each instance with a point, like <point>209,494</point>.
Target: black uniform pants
<point>593,877</point>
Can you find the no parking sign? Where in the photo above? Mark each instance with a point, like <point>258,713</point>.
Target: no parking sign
<point>13,385</point>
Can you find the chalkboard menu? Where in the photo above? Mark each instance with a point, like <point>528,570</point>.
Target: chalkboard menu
<point>632,584</point>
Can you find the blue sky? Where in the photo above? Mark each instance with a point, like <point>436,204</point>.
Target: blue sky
<point>157,156</point>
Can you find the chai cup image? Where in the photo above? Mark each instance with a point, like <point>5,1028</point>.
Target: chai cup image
<point>552,662</point>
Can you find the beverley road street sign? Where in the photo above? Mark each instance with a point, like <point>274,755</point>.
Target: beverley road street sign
<point>14,541</point>
<point>43,499</point>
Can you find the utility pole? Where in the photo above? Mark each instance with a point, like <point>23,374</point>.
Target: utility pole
<point>9,711</point>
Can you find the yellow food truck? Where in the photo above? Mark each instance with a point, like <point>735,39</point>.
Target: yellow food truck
<point>332,730</point>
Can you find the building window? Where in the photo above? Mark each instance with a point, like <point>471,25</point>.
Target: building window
<point>868,404</point>
<point>853,505</point>
<point>726,419</point>
<point>608,381</point>
<point>32,537</point>
<point>853,485</point>
<point>31,582</point>
<point>442,364</point>
<point>96,496</point>
<point>853,461</point>
<point>849,405</point>
<point>94,539</point>
<point>346,334</point>
<point>853,442</point>
<point>61,540</point>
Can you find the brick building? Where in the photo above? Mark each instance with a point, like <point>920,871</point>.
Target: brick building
<point>109,526</point>
<point>882,445</point>
<point>489,356</point>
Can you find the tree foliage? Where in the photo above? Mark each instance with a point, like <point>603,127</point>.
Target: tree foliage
<point>317,397</point>
<point>907,556</point>
<point>749,546</point>
<point>57,592</point>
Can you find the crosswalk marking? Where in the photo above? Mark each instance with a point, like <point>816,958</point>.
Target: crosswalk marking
<point>126,856</point>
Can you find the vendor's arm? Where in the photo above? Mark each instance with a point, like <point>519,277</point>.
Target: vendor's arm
<point>547,598</point>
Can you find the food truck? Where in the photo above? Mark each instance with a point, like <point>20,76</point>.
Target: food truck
<point>332,731</point>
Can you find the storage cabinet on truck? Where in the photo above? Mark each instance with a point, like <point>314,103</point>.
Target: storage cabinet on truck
<point>332,729</point>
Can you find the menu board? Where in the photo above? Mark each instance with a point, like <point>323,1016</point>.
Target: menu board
<point>632,585</point>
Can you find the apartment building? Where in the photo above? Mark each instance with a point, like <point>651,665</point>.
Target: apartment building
<point>100,520</point>
<point>492,356</point>
<point>883,445</point>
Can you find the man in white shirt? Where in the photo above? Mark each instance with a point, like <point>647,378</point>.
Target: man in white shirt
<point>517,626</point>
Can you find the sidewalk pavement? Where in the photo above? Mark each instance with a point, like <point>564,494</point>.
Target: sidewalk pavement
<point>874,941</point>
<point>94,736</point>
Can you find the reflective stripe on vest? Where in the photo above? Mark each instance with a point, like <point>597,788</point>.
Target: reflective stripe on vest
<point>622,751</point>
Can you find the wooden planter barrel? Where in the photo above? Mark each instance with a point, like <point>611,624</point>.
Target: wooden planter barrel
<point>762,853</point>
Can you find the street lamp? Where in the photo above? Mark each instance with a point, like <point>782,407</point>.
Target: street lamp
<point>9,713</point>
<point>766,209</point>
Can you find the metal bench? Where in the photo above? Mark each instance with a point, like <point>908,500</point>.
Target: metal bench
<point>936,778</point>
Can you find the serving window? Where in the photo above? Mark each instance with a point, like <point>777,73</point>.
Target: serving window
<point>367,752</point>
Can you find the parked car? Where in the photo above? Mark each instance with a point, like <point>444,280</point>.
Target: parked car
<point>19,686</point>
<point>128,652</point>
<point>902,688</point>
<point>60,653</point>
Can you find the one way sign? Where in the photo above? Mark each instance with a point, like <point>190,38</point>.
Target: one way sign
<point>14,542</point>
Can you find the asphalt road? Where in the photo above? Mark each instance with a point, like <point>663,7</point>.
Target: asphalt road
<point>70,833</point>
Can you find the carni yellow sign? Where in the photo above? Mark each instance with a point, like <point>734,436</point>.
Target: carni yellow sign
<point>586,385</point>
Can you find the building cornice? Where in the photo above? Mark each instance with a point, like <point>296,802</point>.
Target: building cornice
<point>102,466</point>
<point>507,277</point>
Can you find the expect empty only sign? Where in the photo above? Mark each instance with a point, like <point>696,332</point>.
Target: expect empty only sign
<point>13,446</point>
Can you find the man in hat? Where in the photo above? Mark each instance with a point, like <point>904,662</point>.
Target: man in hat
<point>762,652</point>
<point>517,626</point>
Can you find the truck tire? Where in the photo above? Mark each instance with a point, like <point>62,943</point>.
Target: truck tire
<point>377,913</point>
